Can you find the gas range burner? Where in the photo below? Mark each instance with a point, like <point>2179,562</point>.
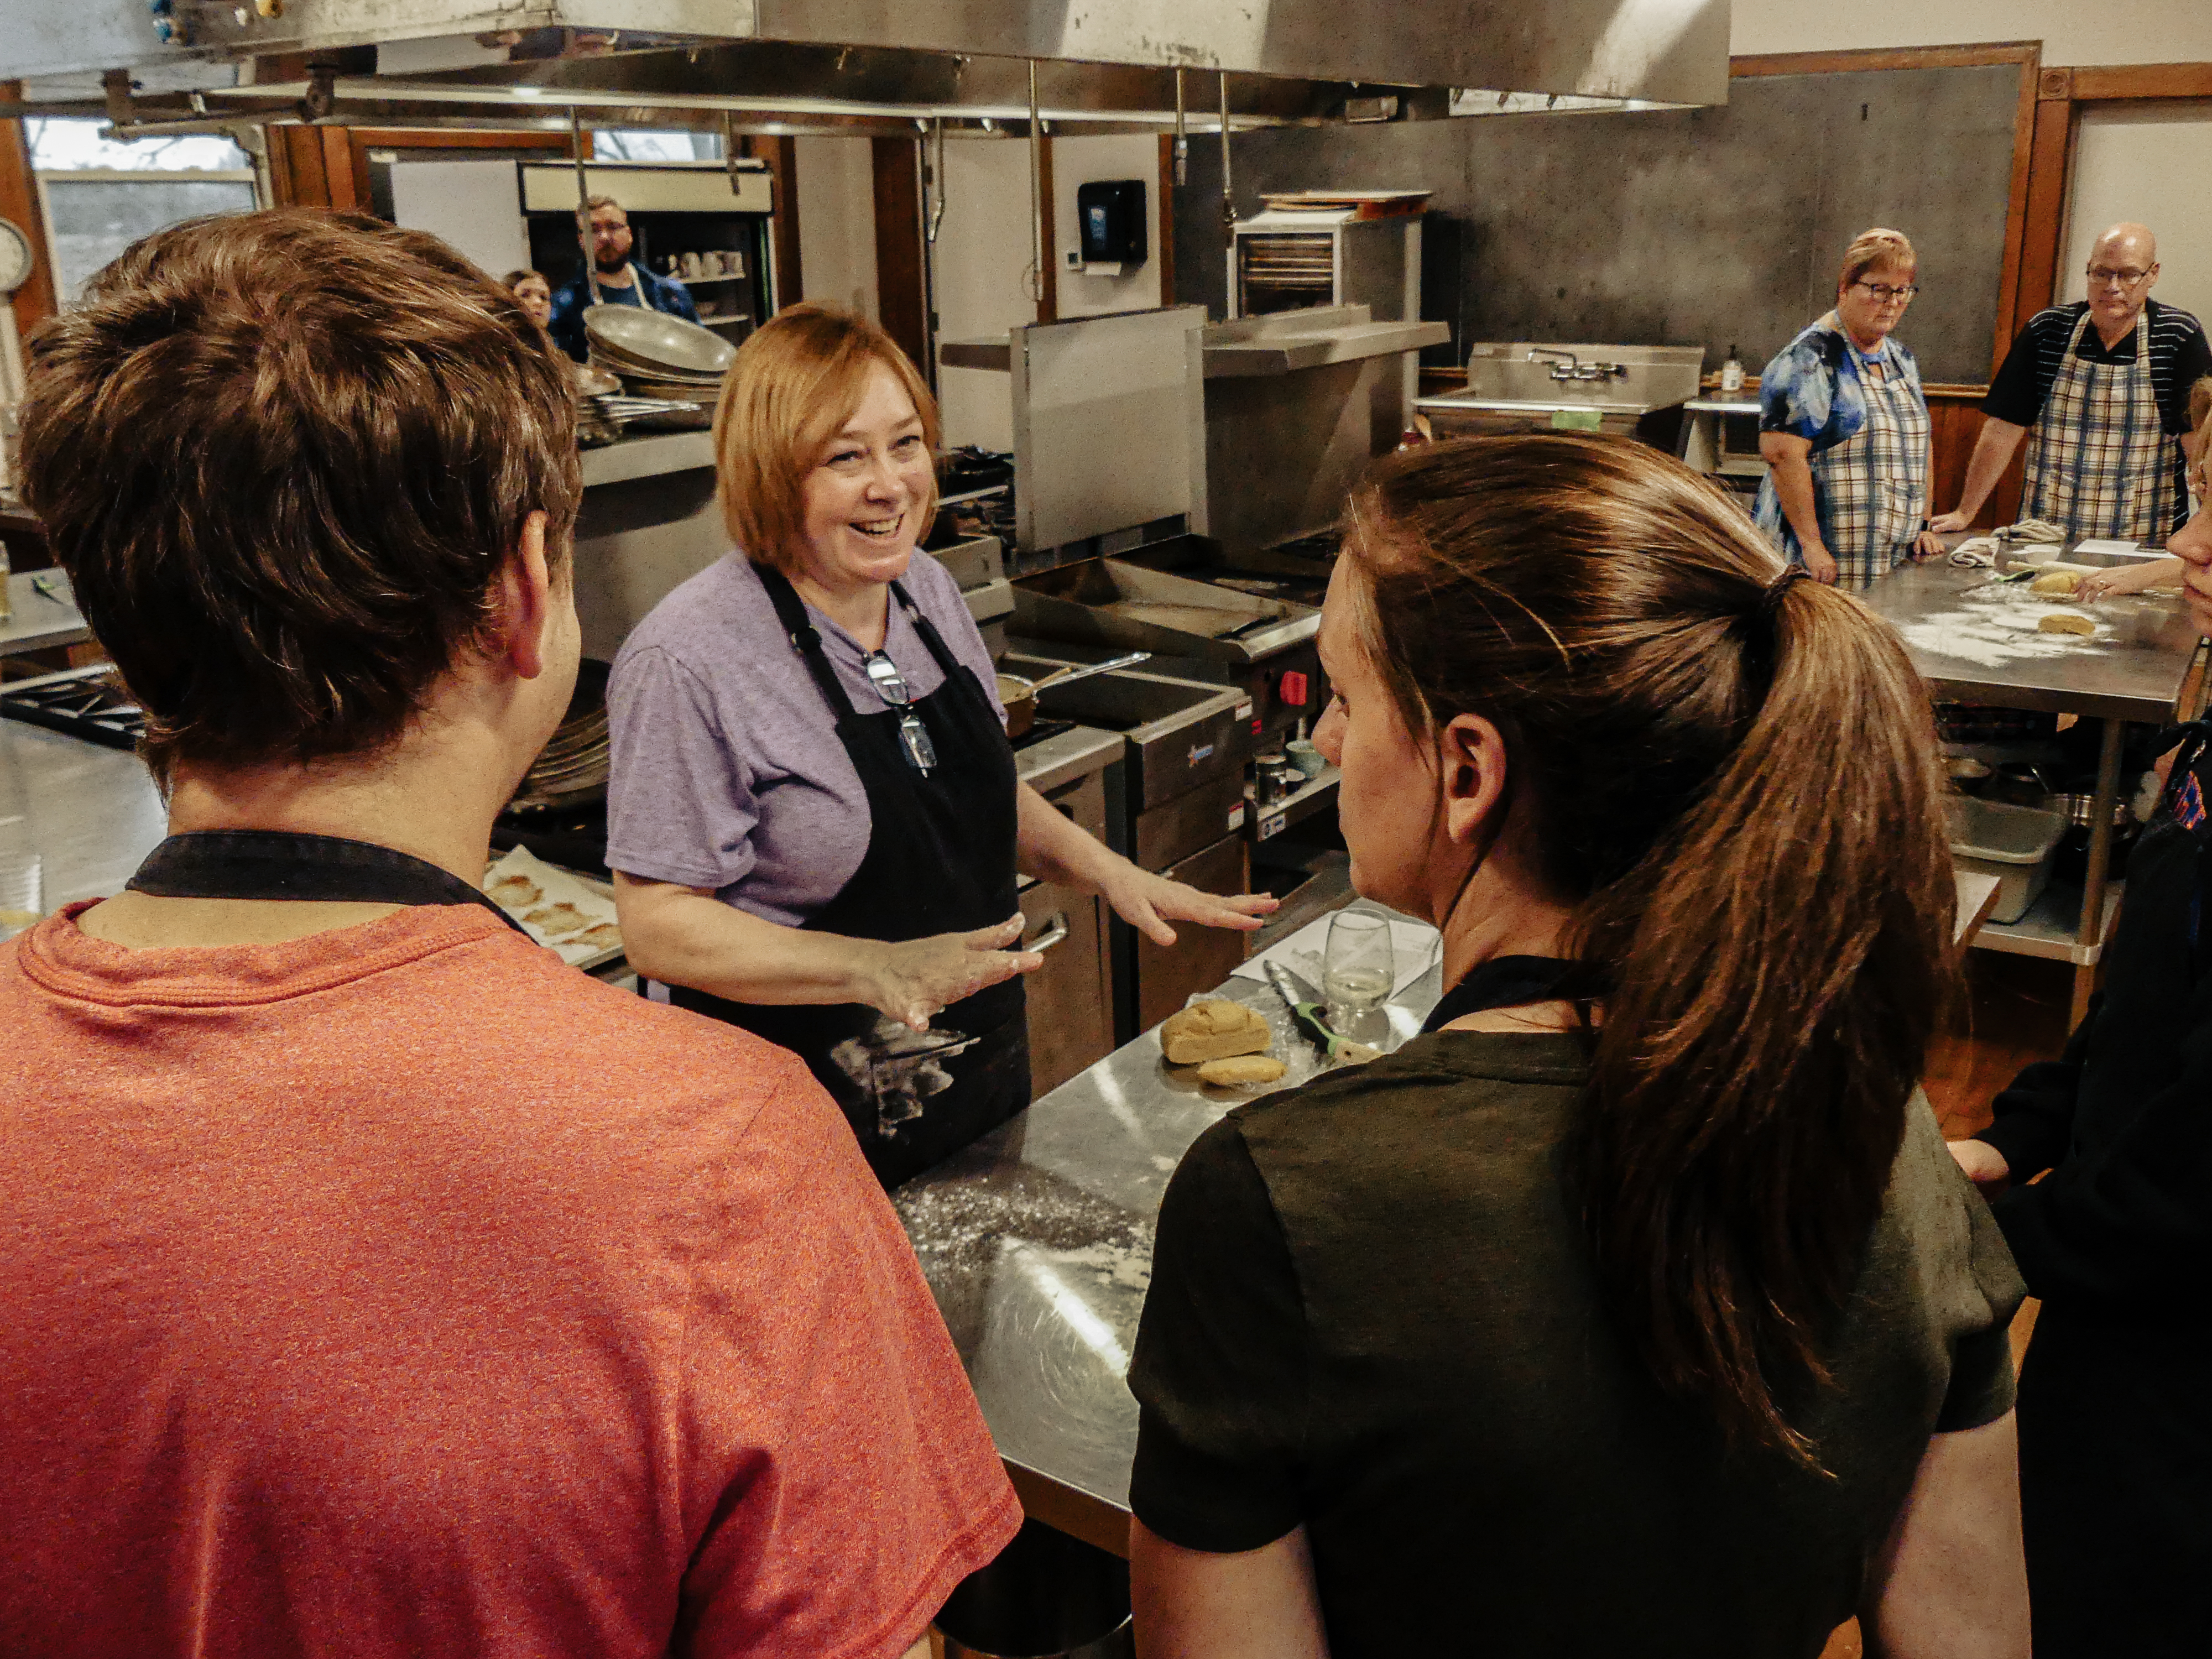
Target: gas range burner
<point>1041,730</point>
<point>83,703</point>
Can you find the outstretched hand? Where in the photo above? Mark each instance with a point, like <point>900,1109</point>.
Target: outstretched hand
<point>1149,902</point>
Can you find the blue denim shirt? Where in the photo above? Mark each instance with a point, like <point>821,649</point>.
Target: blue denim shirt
<point>1812,390</point>
<point>654,293</point>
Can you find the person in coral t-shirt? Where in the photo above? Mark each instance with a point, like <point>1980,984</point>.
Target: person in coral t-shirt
<point>377,1285</point>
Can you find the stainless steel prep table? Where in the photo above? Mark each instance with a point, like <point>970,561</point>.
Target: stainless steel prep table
<point>1037,1244</point>
<point>90,811</point>
<point>40,619</point>
<point>2134,673</point>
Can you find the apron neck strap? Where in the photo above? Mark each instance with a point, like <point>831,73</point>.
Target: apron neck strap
<point>1507,982</point>
<point>277,864</point>
<point>806,639</point>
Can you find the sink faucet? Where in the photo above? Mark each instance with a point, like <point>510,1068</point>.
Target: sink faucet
<point>1574,368</point>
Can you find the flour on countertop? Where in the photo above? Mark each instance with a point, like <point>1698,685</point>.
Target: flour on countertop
<point>1994,625</point>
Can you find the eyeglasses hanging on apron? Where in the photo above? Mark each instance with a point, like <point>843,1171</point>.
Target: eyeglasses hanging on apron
<point>1873,487</point>
<point>940,783</point>
<point>2101,464</point>
<point>914,736</point>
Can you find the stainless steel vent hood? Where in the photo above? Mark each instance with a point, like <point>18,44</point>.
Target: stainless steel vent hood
<point>833,65</point>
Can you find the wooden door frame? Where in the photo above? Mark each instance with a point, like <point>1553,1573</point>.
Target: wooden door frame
<point>2063,95</point>
<point>37,300</point>
<point>328,166</point>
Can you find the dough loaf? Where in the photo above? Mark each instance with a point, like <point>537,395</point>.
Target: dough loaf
<point>2056,584</point>
<point>1212,1031</point>
<point>2065,622</point>
<point>1243,1069</point>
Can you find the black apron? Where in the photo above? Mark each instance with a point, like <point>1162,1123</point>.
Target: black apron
<point>940,859</point>
<point>277,864</point>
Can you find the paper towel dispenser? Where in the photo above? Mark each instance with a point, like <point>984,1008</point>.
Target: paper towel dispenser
<point>1110,213</point>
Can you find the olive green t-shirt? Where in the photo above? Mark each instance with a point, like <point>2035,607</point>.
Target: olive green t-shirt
<point>1374,1313</point>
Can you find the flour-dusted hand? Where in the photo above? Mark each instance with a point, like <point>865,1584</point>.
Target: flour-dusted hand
<point>911,982</point>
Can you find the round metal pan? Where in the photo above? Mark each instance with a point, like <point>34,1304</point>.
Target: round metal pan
<point>656,338</point>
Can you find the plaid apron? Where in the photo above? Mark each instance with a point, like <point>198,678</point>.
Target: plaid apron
<point>1872,488</point>
<point>2101,465</point>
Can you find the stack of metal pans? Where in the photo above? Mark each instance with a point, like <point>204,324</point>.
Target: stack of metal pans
<point>596,423</point>
<point>571,771</point>
<point>658,355</point>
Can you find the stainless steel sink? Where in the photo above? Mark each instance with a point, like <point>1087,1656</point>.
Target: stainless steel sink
<point>1568,375</point>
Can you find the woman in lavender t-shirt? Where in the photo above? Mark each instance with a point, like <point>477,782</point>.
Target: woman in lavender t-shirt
<point>814,817</point>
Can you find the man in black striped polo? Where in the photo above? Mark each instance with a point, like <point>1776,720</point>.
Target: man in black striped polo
<point>2103,385</point>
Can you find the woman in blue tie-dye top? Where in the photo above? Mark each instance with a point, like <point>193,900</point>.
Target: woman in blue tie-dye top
<point>1843,426</point>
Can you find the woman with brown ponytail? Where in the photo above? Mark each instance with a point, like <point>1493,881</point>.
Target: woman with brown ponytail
<point>1636,1307</point>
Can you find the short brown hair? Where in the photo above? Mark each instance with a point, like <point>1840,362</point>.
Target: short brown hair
<point>1871,250</point>
<point>795,384</point>
<point>1731,775</point>
<point>283,457</point>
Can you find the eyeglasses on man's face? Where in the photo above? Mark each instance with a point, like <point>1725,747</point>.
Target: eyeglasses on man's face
<point>1885,294</point>
<point>2117,276</point>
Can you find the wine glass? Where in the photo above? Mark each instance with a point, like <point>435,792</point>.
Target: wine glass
<point>1358,971</point>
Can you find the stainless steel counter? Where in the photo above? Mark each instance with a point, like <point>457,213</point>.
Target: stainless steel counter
<point>39,619</point>
<point>1952,623</point>
<point>1037,1244</point>
<point>90,812</point>
<point>1044,766</point>
<point>1971,641</point>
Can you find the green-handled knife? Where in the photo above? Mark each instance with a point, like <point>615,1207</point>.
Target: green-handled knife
<point>1305,1006</point>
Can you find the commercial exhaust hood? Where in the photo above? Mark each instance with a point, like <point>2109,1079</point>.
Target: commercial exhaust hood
<point>853,65</point>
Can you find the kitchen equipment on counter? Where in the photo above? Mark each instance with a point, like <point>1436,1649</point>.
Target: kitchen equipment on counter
<point>658,413</point>
<point>1109,424</point>
<point>92,704</point>
<point>1112,601</point>
<point>1308,249</point>
<point>2015,844</point>
<point>571,770</point>
<point>1018,694</point>
<point>633,340</point>
<point>1298,405</point>
<point>1071,999</point>
<point>1522,386</point>
<point>2078,808</point>
<point>977,565</point>
<point>1179,811</point>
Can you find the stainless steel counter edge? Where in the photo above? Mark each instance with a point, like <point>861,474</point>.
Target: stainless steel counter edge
<point>648,457</point>
<point>1036,1243</point>
<point>1048,764</point>
<point>1286,354</point>
<point>37,621</point>
<point>1446,401</point>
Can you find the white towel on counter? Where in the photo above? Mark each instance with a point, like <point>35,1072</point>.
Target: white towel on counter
<point>1415,948</point>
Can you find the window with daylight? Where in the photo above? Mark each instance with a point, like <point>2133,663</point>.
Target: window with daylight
<point>656,144</point>
<point>100,195</point>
